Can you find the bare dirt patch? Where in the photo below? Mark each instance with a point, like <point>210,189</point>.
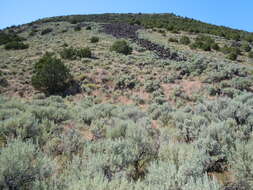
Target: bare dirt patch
<point>189,87</point>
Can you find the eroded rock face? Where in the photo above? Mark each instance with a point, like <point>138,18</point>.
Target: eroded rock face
<point>124,30</point>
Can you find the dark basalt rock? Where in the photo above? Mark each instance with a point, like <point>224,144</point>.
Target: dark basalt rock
<point>237,186</point>
<point>124,30</point>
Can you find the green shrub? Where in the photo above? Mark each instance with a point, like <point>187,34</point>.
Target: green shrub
<point>235,50</point>
<point>194,67</point>
<point>175,31</point>
<point>165,21</point>
<point>83,53</point>
<point>250,54</point>
<point>232,56</point>
<point>73,21</point>
<point>173,40</point>
<point>15,45</point>
<point>74,53</point>
<point>241,83</point>
<point>204,42</point>
<point>88,28</point>
<point>121,46</point>
<point>50,75</point>
<point>33,32</point>
<point>164,175</point>
<point>68,53</point>
<point>46,31</point>
<point>159,111</point>
<point>242,162</point>
<point>22,165</point>
<point>94,39</point>
<point>234,36</point>
<point>36,122</point>
<point>223,71</point>
<point>170,78</point>
<point>126,82</point>
<point>6,38</point>
<point>225,49</point>
<point>246,47</point>
<point>185,40</point>
<point>135,22</point>
<point>77,28</point>
<point>202,183</point>
<point>178,92</point>
<point>152,85</point>
<point>3,81</point>
<point>216,141</point>
<point>215,46</point>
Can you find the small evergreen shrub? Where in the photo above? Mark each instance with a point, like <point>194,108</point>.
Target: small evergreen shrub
<point>250,54</point>
<point>83,53</point>
<point>225,49</point>
<point>74,53</point>
<point>173,40</point>
<point>94,39</point>
<point>232,56</point>
<point>185,40</point>
<point>121,46</point>
<point>50,75</point>
<point>246,47</point>
<point>15,45</point>
<point>77,28</point>
<point>46,31</point>
<point>215,46</point>
<point>203,42</point>
<point>68,53</point>
<point>3,81</point>
<point>152,85</point>
<point>73,21</point>
<point>9,37</point>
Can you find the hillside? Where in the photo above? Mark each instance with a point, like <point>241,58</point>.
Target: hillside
<point>126,101</point>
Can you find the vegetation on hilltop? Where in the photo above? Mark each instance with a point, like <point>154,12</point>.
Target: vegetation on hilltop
<point>169,21</point>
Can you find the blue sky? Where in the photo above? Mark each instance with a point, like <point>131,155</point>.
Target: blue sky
<point>232,13</point>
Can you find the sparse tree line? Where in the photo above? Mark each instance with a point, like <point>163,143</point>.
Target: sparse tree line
<point>168,21</point>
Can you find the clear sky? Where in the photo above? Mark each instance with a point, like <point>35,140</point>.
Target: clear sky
<point>232,13</point>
